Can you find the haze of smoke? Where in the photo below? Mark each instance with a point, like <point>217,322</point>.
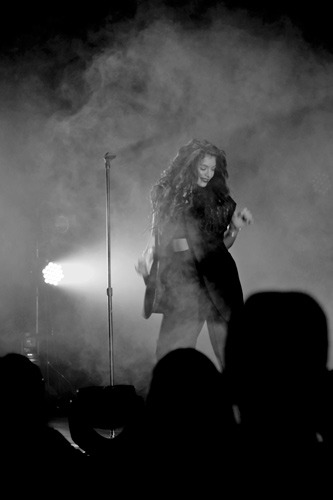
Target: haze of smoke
<point>266,99</point>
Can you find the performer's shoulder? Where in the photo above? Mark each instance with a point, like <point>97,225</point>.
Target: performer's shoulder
<point>229,201</point>
<point>160,188</point>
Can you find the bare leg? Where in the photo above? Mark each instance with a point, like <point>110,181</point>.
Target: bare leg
<point>217,329</point>
<point>178,329</point>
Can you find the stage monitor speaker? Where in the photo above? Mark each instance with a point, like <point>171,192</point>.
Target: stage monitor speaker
<point>115,409</point>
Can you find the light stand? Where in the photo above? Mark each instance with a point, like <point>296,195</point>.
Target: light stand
<point>32,345</point>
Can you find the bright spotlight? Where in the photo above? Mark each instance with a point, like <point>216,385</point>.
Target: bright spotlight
<point>53,273</point>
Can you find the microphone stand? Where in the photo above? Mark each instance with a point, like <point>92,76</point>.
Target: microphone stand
<point>112,406</point>
<point>108,158</point>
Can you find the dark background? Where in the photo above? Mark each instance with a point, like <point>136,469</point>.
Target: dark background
<point>29,25</point>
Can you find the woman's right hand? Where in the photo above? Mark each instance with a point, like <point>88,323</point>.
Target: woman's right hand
<point>141,267</point>
<point>144,262</point>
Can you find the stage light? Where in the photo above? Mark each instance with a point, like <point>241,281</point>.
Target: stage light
<point>53,273</point>
<point>79,272</point>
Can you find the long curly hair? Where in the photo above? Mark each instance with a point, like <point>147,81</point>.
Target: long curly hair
<point>174,190</point>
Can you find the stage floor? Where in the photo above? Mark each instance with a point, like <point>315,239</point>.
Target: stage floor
<point>61,425</point>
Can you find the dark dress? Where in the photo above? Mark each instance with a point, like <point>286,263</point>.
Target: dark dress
<point>196,285</point>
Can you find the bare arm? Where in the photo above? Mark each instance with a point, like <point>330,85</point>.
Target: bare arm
<point>238,221</point>
<point>230,235</point>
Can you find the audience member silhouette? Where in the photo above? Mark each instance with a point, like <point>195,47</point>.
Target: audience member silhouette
<point>32,452</point>
<point>187,439</point>
<point>276,365</point>
<point>189,423</point>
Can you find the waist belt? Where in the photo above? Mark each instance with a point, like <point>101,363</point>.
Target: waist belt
<point>180,245</point>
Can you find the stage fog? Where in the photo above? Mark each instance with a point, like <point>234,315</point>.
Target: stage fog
<point>260,93</point>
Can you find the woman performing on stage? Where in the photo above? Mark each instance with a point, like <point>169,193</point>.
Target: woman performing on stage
<point>191,278</point>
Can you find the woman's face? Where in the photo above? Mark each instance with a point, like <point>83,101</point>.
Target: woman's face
<point>206,169</point>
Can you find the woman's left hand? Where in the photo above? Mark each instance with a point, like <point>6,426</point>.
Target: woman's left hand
<point>242,218</point>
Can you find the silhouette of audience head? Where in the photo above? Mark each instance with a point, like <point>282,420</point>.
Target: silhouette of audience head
<point>184,401</point>
<point>22,392</point>
<point>188,420</point>
<point>276,356</point>
<point>30,449</point>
